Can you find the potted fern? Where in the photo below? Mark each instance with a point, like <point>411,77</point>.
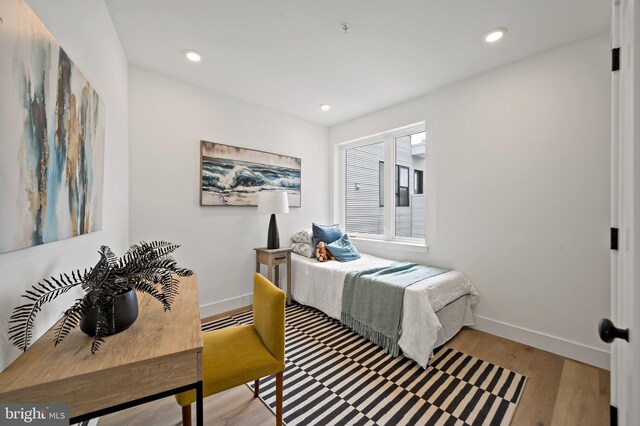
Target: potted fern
<point>109,305</point>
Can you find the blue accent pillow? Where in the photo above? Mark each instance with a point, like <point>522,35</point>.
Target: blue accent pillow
<point>325,233</point>
<point>343,250</point>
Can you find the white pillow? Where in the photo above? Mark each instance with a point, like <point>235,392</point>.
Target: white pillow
<point>303,249</point>
<point>304,236</point>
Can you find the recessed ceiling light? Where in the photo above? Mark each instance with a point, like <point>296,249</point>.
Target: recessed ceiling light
<point>495,35</point>
<point>192,55</point>
<point>325,107</point>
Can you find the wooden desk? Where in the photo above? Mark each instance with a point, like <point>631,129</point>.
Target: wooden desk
<point>158,356</point>
<point>273,258</point>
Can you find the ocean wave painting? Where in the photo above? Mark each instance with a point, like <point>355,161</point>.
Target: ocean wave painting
<point>233,176</point>
<point>52,125</point>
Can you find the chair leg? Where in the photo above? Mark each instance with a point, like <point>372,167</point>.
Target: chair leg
<point>279,377</point>
<point>256,388</point>
<point>186,415</point>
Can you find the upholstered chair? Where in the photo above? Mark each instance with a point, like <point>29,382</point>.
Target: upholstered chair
<point>236,355</point>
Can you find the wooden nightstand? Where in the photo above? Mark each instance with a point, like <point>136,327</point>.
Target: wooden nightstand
<point>273,258</point>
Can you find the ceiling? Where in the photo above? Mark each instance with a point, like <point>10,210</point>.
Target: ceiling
<point>292,56</point>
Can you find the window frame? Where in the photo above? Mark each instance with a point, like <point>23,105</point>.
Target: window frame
<point>380,187</point>
<point>340,202</point>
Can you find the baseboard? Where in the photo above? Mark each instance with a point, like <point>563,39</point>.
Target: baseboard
<point>225,305</point>
<point>546,342</point>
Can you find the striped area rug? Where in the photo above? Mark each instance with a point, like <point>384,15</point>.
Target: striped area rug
<point>335,377</point>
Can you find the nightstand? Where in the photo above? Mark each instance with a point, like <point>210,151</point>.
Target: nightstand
<point>273,258</point>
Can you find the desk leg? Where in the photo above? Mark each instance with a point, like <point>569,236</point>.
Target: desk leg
<point>199,403</point>
<point>277,281</point>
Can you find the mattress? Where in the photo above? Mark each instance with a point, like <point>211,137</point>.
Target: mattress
<point>319,284</point>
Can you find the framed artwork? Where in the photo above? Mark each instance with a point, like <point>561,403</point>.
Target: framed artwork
<point>233,176</point>
<point>52,126</point>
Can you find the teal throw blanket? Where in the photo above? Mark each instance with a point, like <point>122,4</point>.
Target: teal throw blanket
<point>372,301</point>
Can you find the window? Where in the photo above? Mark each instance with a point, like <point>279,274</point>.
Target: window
<point>402,186</point>
<point>418,182</point>
<point>392,209</point>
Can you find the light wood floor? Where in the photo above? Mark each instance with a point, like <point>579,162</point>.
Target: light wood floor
<point>559,391</point>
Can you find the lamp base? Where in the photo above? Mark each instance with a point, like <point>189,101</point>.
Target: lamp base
<point>273,239</point>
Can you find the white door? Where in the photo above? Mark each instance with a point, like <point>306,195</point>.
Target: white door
<point>625,215</point>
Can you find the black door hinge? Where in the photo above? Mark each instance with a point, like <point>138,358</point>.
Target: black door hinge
<point>614,238</point>
<point>615,59</point>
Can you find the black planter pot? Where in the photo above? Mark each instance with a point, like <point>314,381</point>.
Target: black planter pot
<point>125,313</point>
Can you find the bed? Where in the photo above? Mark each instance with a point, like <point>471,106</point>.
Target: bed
<point>434,309</point>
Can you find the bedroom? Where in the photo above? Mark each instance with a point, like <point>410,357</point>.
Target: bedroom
<point>517,168</point>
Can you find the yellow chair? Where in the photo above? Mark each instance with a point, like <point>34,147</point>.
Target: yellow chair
<point>236,355</point>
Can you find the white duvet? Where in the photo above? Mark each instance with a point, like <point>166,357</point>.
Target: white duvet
<point>320,285</point>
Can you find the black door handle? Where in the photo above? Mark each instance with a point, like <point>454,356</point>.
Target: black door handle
<point>608,332</point>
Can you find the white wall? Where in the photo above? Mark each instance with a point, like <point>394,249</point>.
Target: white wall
<point>522,186</point>
<point>168,119</point>
<point>85,31</point>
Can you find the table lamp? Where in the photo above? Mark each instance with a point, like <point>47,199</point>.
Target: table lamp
<point>273,202</point>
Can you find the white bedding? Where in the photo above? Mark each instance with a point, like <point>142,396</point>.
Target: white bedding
<point>320,285</point>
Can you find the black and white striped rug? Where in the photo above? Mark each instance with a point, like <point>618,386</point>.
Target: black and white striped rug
<point>335,377</point>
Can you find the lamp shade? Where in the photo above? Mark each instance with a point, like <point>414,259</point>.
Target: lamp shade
<point>273,202</point>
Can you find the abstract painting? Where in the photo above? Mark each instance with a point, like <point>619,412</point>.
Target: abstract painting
<point>52,124</point>
<point>233,176</point>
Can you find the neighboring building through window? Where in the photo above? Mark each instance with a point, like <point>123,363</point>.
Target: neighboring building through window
<point>418,182</point>
<point>365,186</point>
<point>402,186</point>
<point>369,199</point>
